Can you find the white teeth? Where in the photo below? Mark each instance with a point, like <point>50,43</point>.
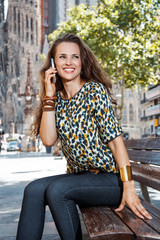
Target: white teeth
<point>69,70</point>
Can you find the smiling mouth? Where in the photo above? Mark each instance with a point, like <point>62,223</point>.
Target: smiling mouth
<point>69,70</point>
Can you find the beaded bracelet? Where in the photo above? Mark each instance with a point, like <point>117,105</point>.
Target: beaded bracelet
<point>46,98</point>
<point>48,103</point>
<point>48,109</point>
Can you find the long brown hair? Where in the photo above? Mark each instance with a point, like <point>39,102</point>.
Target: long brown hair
<point>91,71</point>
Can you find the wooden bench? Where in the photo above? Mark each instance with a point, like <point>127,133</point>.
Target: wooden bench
<point>105,223</point>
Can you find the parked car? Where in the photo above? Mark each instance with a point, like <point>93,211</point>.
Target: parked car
<point>12,146</point>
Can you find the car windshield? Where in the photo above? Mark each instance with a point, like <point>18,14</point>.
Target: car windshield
<point>12,143</point>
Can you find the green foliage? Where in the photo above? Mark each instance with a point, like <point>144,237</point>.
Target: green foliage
<point>124,35</point>
<point>43,57</point>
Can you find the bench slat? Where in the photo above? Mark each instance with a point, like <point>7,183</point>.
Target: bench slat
<point>146,169</point>
<point>144,156</point>
<point>148,144</point>
<point>155,211</point>
<point>148,182</point>
<point>147,175</point>
<point>103,224</point>
<point>142,230</point>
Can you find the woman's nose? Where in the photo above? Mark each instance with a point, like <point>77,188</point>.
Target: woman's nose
<point>68,60</point>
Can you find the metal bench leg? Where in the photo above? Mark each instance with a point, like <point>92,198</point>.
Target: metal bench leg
<point>145,192</point>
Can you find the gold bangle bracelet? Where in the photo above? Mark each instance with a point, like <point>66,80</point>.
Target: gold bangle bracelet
<point>126,173</point>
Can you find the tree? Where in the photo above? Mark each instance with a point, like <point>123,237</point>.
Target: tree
<point>124,35</point>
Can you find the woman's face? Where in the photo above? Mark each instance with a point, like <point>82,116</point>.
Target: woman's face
<point>68,61</point>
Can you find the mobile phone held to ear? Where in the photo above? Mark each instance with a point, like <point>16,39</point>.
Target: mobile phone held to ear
<point>52,63</point>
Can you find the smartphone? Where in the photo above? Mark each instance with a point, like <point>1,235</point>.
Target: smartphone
<point>53,66</point>
<point>52,63</point>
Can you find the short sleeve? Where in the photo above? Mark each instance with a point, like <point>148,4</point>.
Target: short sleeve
<point>108,125</point>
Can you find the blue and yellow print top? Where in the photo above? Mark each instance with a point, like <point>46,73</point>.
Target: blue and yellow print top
<point>85,124</point>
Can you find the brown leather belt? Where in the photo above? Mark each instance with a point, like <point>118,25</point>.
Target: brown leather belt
<point>94,170</point>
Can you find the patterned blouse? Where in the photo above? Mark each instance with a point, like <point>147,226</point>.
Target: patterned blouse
<point>85,124</point>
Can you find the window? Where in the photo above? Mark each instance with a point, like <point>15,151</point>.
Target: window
<point>32,42</point>
<point>76,2</point>
<point>22,27</point>
<point>27,25</point>
<point>124,114</point>
<point>144,113</point>
<point>65,10</point>
<point>36,57</point>
<point>88,2</point>
<point>1,62</point>
<point>10,18</point>
<point>131,113</point>
<point>36,33</point>
<point>32,24</point>
<point>27,37</point>
<point>14,14</point>
<point>19,23</point>
<point>144,95</point>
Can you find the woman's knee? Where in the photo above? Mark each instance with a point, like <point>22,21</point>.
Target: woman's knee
<point>33,189</point>
<point>57,190</point>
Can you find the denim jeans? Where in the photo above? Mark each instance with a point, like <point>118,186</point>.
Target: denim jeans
<point>62,193</point>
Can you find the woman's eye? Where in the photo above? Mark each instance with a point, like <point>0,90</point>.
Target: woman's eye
<point>62,56</point>
<point>76,56</point>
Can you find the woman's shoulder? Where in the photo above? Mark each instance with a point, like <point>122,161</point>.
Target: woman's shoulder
<point>95,87</point>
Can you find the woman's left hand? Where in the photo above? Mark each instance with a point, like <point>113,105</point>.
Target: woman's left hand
<point>131,199</point>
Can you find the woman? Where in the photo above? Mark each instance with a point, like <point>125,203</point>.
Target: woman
<point>82,117</point>
<point>19,144</point>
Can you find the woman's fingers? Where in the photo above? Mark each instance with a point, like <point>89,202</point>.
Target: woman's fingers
<point>50,80</point>
<point>139,210</point>
<point>136,212</point>
<point>142,211</point>
<point>49,74</point>
<point>135,205</point>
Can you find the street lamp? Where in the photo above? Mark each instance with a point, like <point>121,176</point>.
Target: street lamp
<point>28,94</point>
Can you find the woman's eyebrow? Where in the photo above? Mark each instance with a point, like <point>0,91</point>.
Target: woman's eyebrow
<point>64,54</point>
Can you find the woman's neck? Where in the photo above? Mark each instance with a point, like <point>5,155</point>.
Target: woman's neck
<point>71,88</point>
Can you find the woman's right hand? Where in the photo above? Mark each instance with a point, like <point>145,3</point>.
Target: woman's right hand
<point>50,80</point>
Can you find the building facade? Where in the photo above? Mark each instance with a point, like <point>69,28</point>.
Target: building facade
<point>24,40</point>
<point>64,5</point>
<point>54,12</point>
<point>150,111</point>
<point>3,61</point>
<point>129,116</point>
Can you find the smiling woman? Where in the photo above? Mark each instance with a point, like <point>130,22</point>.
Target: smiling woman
<point>68,65</point>
<point>76,107</point>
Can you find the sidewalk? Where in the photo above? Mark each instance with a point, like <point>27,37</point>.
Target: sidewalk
<point>15,173</point>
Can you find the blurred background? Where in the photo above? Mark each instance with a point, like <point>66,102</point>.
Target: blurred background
<point>125,37</point>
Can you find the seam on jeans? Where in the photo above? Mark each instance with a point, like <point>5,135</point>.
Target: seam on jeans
<point>70,220</point>
<point>65,193</point>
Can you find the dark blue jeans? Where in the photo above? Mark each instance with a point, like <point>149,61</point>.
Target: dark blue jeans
<point>62,193</point>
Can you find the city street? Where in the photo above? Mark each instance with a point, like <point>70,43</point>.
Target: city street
<point>16,171</point>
